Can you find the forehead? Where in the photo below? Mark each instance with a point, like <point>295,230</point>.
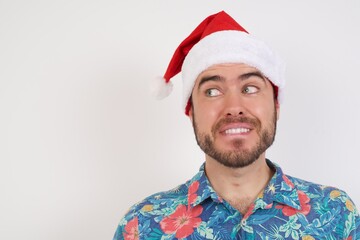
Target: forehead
<point>229,65</point>
<point>230,69</point>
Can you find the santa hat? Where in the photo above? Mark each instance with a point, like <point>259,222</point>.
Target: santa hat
<point>219,39</point>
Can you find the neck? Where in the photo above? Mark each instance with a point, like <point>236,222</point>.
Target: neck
<point>239,186</point>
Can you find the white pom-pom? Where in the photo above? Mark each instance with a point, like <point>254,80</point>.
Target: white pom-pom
<point>160,89</point>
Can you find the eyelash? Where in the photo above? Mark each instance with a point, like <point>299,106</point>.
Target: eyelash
<point>208,92</point>
<point>250,86</point>
<point>245,91</point>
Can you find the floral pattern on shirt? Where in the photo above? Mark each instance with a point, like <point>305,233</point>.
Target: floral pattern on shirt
<point>288,208</point>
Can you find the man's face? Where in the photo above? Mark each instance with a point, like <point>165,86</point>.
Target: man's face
<point>234,114</point>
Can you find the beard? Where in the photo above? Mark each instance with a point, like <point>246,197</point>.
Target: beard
<point>239,157</point>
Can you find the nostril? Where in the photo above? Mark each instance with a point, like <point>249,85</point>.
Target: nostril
<point>229,114</point>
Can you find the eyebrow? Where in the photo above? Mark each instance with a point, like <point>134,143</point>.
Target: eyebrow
<point>215,78</point>
<point>242,77</point>
<point>252,74</point>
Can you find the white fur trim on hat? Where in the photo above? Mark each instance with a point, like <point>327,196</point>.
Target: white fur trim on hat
<point>160,89</point>
<point>231,47</point>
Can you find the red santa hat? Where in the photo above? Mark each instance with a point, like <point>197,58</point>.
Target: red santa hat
<point>219,39</point>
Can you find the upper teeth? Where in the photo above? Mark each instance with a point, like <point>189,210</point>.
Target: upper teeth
<point>236,130</point>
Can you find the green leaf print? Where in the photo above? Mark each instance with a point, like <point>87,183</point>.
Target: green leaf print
<point>204,231</point>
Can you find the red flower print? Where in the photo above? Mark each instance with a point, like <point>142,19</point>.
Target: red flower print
<point>249,211</point>
<point>287,181</point>
<point>132,230</point>
<point>182,222</point>
<point>192,192</point>
<point>304,204</point>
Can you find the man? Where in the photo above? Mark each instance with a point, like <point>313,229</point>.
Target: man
<point>233,84</point>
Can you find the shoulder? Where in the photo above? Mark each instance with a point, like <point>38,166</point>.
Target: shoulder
<point>323,195</point>
<point>317,193</point>
<point>158,204</point>
<point>308,186</point>
<point>330,204</point>
<point>150,211</point>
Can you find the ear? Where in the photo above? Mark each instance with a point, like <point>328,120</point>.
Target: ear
<point>277,106</point>
<point>191,113</point>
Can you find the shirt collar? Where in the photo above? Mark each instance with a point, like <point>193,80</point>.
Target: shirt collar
<point>205,189</point>
<point>280,189</point>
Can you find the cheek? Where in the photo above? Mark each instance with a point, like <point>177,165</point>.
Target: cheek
<point>205,115</point>
<point>264,111</point>
<point>270,113</point>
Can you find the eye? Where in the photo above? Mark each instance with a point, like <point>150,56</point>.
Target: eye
<point>212,92</point>
<point>250,89</point>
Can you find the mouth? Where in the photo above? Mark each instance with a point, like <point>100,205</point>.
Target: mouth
<point>232,131</point>
<point>235,126</point>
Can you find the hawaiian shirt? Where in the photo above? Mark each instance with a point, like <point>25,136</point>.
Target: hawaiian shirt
<point>288,208</point>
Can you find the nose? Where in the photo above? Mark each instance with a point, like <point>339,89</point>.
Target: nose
<point>234,105</point>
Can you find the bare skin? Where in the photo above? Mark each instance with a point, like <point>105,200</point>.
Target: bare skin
<point>239,187</point>
<point>228,91</point>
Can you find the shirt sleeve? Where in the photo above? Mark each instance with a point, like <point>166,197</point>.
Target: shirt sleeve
<point>128,227</point>
<point>356,234</point>
<point>119,233</point>
<point>352,221</point>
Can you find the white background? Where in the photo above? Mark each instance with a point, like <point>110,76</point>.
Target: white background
<point>81,140</point>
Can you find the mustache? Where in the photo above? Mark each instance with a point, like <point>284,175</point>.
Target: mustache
<point>255,123</point>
